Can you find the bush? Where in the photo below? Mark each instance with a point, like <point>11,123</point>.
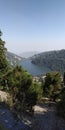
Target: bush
<point>23,91</point>
<point>61,104</point>
<point>52,85</point>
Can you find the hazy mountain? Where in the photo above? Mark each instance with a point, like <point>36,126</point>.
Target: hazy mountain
<point>55,60</point>
<point>28,54</point>
<point>13,59</point>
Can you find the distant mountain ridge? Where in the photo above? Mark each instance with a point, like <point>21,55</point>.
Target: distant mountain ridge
<point>28,54</point>
<point>13,59</point>
<point>55,60</point>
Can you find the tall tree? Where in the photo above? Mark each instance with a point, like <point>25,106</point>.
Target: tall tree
<point>3,60</point>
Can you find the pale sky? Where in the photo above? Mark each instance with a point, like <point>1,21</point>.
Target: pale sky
<point>33,25</point>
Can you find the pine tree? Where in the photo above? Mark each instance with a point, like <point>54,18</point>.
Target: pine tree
<point>3,60</point>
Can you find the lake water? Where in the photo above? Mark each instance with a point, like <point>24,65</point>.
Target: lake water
<point>34,69</point>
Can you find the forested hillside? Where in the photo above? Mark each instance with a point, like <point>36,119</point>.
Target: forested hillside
<point>55,60</point>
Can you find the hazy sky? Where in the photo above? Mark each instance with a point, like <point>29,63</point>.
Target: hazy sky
<point>33,25</point>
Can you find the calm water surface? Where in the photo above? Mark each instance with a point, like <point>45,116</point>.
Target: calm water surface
<point>34,69</point>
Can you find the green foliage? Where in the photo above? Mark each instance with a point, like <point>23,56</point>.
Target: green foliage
<point>52,85</point>
<point>38,88</point>
<point>1,87</point>
<point>17,81</point>
<point>31,98</point>
<point>20,85</point>
<point>61,104</point>
<point>3,60</point>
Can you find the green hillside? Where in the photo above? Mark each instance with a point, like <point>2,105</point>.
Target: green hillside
<point>55,60</point>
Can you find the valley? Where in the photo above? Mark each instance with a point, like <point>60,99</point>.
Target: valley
<point>34,69</point>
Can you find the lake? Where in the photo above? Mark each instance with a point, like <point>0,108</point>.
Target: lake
<point>34,69</point>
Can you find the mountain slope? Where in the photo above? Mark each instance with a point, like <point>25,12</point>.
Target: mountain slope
<point>13,59</point>
<point>55,60</point>
<point>28,54</point>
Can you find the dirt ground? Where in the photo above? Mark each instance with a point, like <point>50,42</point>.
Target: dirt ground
<point>45,118</point>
